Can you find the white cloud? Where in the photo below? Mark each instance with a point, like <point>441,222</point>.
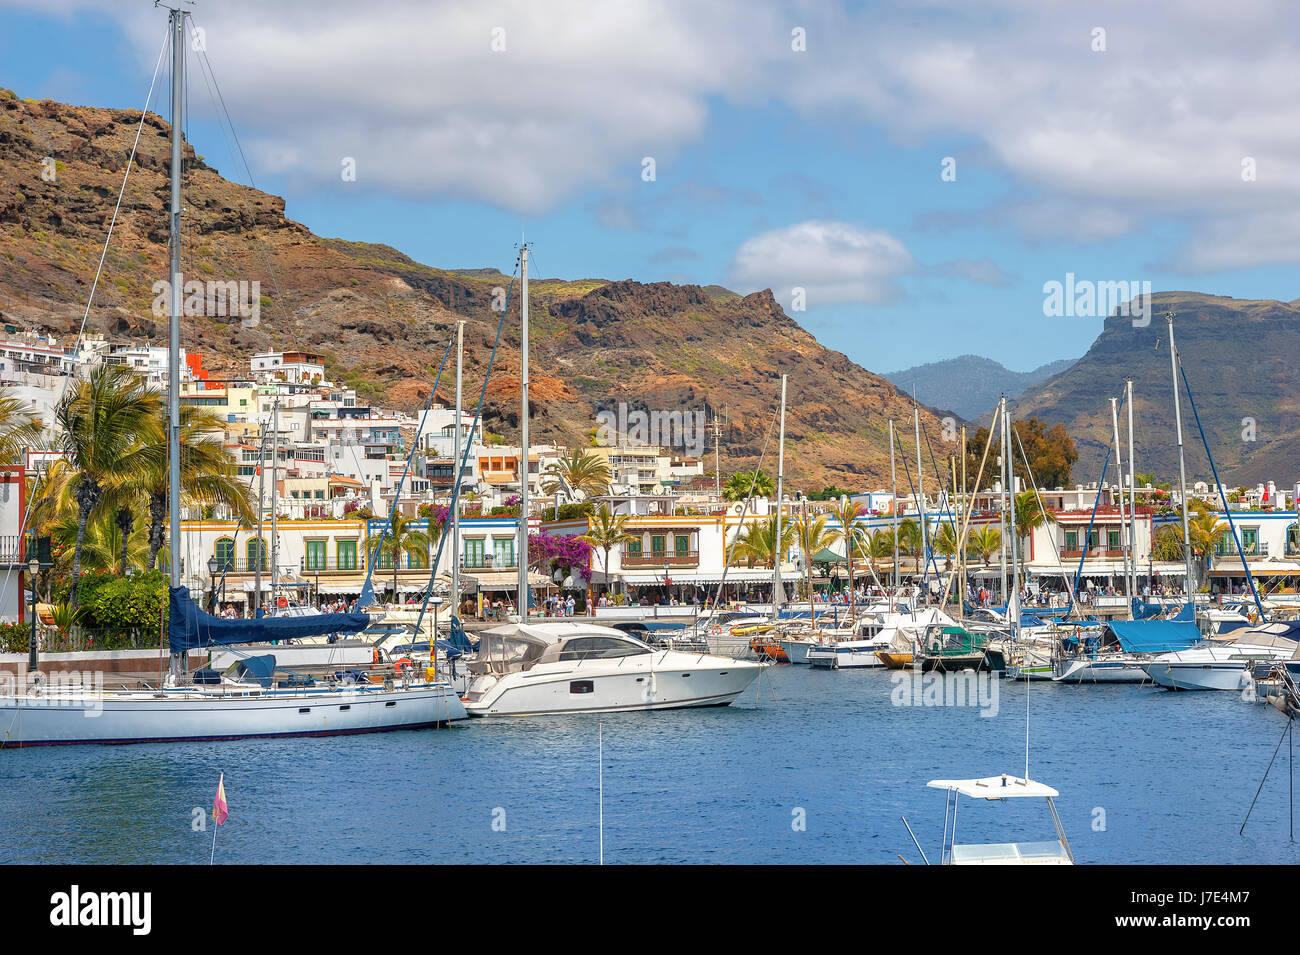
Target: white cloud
<point>980,271</point>
<point>834,262</point>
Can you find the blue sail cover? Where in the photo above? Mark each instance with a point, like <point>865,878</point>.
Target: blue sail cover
<point>1155,636</point>
<point>190,628</point>
<point>458,639</point>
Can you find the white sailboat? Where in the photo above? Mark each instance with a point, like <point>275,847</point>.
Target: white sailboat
<point>211,705</point>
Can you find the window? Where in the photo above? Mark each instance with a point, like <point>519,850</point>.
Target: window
<point>315,554</point>
<point>657,547</point>
<point>503,551</point>
<point>347,555</point>
<point>1071,540</point>
<point>474,552</point>
<point>1093,538</point>
<point>225,553</point>
<point>592,648</point>
<point>582,686</point>
<point>256,552</point>
<point>681,545</point>
<point>634,547</point>
<point>416,558</point>
<point>1112,540</point>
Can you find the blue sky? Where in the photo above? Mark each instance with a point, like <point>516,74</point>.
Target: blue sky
<point>817,168</point>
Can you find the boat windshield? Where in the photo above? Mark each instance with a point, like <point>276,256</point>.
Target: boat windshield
<point>508,652</point>
<point>601,648</point>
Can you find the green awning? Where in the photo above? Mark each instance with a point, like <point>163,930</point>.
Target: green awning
<point>827,556</point>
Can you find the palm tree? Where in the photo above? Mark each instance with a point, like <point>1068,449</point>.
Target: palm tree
<point>402,537</point>
<point>1029,515</point>
<point>744,483</point>
<point>910,543</point>
<point>855,539</point>
<point>19,428</point>
<point>985,541</point>
<point>814,536</point>
<point>580,471</point>
<point>607,530</point>
<point>1206,530</point>
<point>109,425</point>
<point>756,546</point>
<point>208,475</point>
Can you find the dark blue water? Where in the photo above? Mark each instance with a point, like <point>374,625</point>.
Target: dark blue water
<point>1173,774</point>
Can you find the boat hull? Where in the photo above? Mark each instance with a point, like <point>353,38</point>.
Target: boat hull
<point>796,651</point>
<point>187,717</point>
<point>1197,676</point>
<point>833,656</point>
<point>895,661</point>
<point>698,682</point>
<point>1098,671</point>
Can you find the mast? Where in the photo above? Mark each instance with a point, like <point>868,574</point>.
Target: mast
<point>261,515</point>
<point>780,499</point>
<point>920,491</point>
<point>521,558</point>
<point>1002,503</point>
<point>893,506</point>
<point>1182,463</point>
<point>177,30</point>
<point>1119,460</point>
<point>455,470</point>
<point>1132,494</point>
<point>965,524</point>
<point>1014,598</point>
<point>177,24</point>
<point>275,497</point>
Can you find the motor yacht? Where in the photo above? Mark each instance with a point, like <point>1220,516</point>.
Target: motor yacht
<point>530,669</point>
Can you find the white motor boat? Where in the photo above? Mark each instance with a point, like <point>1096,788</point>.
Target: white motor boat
<point>997,789</point>
<point>1220,666</point>
<point>572,667</point>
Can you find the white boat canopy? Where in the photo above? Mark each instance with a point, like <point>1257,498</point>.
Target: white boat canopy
<point>995,787</point>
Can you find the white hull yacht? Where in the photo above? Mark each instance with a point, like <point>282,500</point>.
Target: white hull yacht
<point>1218,666</point>
<point>545,668</point>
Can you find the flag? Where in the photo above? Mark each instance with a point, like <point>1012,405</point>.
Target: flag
<point>219,809</point>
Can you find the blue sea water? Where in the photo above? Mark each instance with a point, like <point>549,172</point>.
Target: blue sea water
<point>1146,776</point>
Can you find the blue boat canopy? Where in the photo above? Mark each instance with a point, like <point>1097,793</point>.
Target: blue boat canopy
<point>1155,636</point>
<point>190,628</point>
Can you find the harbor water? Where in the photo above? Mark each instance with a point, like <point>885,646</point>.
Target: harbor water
<point>809,767</point>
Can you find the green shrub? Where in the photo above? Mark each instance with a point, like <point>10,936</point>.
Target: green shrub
<point>15,637</point>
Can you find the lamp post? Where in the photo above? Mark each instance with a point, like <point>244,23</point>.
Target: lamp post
<point>212,583</point>
<point>33,568</point>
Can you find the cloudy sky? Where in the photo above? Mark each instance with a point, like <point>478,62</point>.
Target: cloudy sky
<point>919,169</point>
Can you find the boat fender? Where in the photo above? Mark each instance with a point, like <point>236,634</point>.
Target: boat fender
<point>374,654</point>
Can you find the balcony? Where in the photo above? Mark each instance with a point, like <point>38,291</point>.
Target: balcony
<point>676,559</point>
<point>1095,553</point>
<point>1253,549</point>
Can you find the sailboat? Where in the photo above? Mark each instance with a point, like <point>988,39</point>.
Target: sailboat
<point>208,705</point>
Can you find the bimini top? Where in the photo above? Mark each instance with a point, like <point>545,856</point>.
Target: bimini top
<point>995,787</point>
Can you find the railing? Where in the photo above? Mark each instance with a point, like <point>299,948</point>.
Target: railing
<point>79,638</point>
<point>311,565</point>
<point>689,558</point>
<point>1104,552</point>
<point>10,549</point>
<point>471,564</point>
<point>1229,549</point>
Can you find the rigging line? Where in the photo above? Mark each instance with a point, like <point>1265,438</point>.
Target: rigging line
<point>219,102</point>
<point>460,470</point>
<point>1033,482</point>
<point>1222,496</point>
<point>776,545</point>
<point>372,559</point>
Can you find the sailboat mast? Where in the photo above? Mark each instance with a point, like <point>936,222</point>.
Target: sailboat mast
<point>275,498</point>
<point>780,499</point>
<point>521,558</point>
<point>1014,598</point>
<point>1182,463</point>
<point>1119,461</point>
<point>920,492</point>
<point>455,470</point>
<point>177,26</point>
<point>1002,504</point>
<point>1132,492</point>
<point>893,505</point>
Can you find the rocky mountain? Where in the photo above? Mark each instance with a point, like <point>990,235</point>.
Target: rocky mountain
<point>970,385</point>
<point>1241,360</point>
<point>382,319</point>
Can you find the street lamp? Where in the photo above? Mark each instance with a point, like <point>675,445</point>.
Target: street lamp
<point>33,568</point>
<point>212,580</point>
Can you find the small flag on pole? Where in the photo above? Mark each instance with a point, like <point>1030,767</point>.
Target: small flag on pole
<point>219,809</point>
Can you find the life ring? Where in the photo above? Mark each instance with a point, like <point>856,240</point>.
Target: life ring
<point>282,602</point>
<point>404,663</point>
<point>715,629</point>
